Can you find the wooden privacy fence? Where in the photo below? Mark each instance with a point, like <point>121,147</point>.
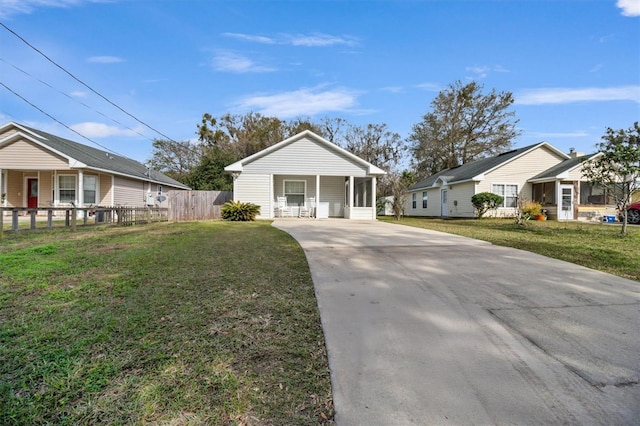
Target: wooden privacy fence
<point>196,205</point>
<point>23,218</point>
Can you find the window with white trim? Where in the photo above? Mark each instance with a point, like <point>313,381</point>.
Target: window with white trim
<point>424,199</point>
<point>295,191</point>
<point>508,192</point>
<point>90,185</point>
<point>414,202</point>
<point>67,188</point>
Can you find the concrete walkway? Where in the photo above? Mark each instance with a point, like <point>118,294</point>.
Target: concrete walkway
<point>427,328</point>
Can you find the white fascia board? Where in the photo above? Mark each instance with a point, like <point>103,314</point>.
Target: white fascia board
<point>24,130</point>
<point>234,167</point>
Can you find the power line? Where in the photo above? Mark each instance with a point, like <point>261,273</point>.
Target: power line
<point>58,121</point>
<point>72,98</point>
<point>83,83</point>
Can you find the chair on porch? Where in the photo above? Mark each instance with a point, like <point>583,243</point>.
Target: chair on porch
<point>282,209</point>
<point>308,210</point>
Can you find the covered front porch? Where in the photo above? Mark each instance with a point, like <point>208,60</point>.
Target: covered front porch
<point>54,188</point>
<point>348,197</point>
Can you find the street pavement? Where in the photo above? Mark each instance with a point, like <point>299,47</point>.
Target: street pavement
<point>427,328</point>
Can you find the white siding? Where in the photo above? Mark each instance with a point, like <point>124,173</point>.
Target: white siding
<point>278,183</point>
<point>576,174</point>
<point>130,193</point>
<point>26,155</point>
<point>332,192</point>
<point>433,196</point>
<point>520,170</point>
<point>460,200</point>
<point>253,188</point>
<point>305,157</point>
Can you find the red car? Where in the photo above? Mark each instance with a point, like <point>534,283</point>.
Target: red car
<point>633,213</point>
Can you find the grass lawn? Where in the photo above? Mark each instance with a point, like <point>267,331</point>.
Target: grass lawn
<point>597,246</point>
<point>191,323</point>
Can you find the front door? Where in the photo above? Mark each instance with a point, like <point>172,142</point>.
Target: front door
<point>32,193</point>
<point>565,204</point>
<point>444,211</point>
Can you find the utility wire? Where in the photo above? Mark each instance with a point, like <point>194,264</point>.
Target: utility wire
<point>58,121</point>
<point>83,83</point>
<point>74,99</point>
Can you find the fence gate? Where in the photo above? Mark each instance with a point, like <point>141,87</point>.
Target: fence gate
<point>196,205</point>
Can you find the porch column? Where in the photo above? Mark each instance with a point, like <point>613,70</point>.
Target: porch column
<point>113,190</point>
<point>373,199</point>
<point>271,195</point>
<point>2,191</point>
<point>351,192</point>
<point>80,188</point>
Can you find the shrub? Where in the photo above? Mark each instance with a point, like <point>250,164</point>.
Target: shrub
<point>531,209</point>
<point>485,201</point>
<point>238,211</point>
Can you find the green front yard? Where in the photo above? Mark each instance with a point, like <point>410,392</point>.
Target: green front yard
<point>594,245</point>
<point>193,323</point>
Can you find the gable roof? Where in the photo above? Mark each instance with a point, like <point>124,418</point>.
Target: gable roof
<point>562,169</point>
<point>475,170</point>
<point>239,165</point>
<point>83,156</point>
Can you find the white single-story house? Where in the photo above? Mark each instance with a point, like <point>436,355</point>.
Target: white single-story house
<point>307,171</point>
<point>537,172</point>
<point>38,169</point>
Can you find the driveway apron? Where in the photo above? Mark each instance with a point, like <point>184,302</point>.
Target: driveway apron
<point>430,328</point>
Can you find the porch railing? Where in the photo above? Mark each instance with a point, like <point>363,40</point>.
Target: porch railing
<point>24,218</point>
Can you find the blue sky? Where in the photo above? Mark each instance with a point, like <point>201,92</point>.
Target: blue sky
<point>572,65</point>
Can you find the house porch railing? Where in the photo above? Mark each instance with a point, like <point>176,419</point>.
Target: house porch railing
<point>24,218</point>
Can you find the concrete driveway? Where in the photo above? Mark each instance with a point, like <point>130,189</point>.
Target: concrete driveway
<point>428,328</point>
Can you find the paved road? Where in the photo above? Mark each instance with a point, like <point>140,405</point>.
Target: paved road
<point>427,328</point>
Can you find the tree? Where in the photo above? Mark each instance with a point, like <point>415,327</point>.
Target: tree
<point>209,174</point>
<point>617,169</point>
<point>485,201</point>
<point>464,125</point>
<point>241,135</point>
<point>398,184</point>
<point>175,159</point>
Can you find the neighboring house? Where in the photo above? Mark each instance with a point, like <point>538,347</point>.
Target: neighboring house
<point>537,172</point>
<point>38,169</point>
<point>307,169</point>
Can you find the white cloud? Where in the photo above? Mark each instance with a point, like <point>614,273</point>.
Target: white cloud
<point>551,135</point>
<point>561,95</point>
<point>100,130</point>
<point>16,7</point>
<point>253,38</point>
<point>312,40</point>
<point>300,102</point>
<point>393,89</point>
<point>78,94</point>
<point>629,7</point>
<point>429,87</point>
<point>233,62</point>
<point>320,40</point>
<point>481,71</point>
<point>105,59</point>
